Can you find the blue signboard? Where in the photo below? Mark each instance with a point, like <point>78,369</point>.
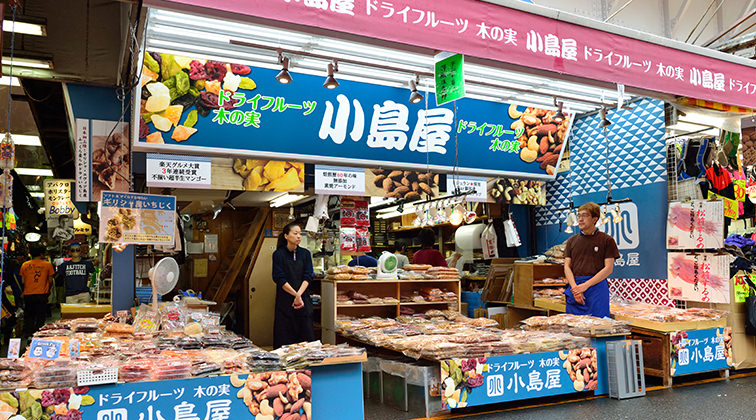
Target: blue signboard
<point>695,351</point>
<point>473,382</point>
<point>245,112</point>
<point>44,349</point>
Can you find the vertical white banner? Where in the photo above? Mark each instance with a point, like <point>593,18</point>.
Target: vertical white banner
<point>83,161</point>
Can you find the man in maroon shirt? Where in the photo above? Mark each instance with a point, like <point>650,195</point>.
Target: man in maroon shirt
<point>428,254</point>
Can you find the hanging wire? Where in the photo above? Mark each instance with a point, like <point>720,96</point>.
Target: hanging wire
<point>8,127</point>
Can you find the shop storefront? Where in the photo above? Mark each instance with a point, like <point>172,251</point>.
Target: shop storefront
<point>341,116</point>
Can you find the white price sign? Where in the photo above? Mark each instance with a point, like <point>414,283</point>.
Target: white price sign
<point>465,183</point>
<point>338,180</point>
<point>178,171</point>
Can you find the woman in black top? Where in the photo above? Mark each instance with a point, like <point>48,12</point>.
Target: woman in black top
<point>292,272</point>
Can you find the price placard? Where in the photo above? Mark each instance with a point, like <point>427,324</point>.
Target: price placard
<point>178,171</point>
<point>468,183</point>
<point>338,180</point>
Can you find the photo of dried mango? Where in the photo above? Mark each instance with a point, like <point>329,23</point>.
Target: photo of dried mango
<point>269,175</point>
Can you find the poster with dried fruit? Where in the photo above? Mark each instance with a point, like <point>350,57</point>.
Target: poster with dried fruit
<point>255,396</point>
<point>191,105</point>
<point>142,219</point>
<point>696,351</point>
<point>411,185</point>
<point>258,175</point>
<point>474,382</point>
<point>748,140</point>
<point>111,168</point>
<point>516,191</point>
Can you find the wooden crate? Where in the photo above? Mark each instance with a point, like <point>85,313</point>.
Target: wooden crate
<point>497,284</point>
<point>526,274</point>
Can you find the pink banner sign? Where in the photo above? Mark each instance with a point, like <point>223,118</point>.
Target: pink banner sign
<point>486,30</point>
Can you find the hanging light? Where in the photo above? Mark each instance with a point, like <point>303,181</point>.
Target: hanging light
<point>331,82</point>
<point>283,76</point>
<point>604,121</point>
<point>605,218</point>
<point>458,215</point>
<point>559,116</point>
<point>415,96</point>
<point>616,215</point>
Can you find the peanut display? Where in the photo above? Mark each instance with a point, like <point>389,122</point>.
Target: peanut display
<point>542,137</point>
<point>276,395</point>
<point>405,184</point>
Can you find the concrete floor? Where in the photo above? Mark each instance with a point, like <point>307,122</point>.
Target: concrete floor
<point>727,399</point>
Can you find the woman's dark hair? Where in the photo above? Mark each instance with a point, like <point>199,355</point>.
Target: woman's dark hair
<point>399,247</point>
<point>427,238</point>
<point>285,231</point>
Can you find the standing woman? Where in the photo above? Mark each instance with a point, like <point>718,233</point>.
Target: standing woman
<point>292,272</point>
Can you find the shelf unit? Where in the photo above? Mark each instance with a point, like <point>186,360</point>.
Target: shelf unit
<point>331,310</point>
<point>527,276</point>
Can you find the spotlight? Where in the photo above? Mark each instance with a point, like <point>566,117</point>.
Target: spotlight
<point>331,82</point>
<point>283,76</point>
<point>606,218</point>
<point>604,121</point>
<point>415,96</point>
<point>559,116</point>
<point>616,215</point>
<point>458,215</point>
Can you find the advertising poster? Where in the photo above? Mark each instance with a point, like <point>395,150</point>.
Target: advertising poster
<point>339,180</point>
<point>473,382</point>
<point>103,159</point>
<point>213,398</point>
<point>197,107</point>
<point>700,350</point>
<point>133,218</point>
<point>411,185</point>
<point>699,277</point>
<point>516,191</point>
<point>698,224</point>
<point>748,140</point>
<point>60,212</point>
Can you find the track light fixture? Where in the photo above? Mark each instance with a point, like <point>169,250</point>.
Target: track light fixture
<point>559,116</point>
<point>604,121</point>
<point>331,82</point>
<point>415,96</point>
<point>283,76</point>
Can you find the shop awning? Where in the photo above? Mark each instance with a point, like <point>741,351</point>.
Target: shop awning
<point>516,33</point>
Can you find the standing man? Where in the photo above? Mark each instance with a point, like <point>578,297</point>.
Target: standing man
<point>36,275</point>
<point>75,273</point>
<point>589,260</point>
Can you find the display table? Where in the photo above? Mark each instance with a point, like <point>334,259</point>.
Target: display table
<point>83,310</point>
<point>334,389</point>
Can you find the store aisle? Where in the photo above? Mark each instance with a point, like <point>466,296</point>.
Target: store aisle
<point>732,399</point>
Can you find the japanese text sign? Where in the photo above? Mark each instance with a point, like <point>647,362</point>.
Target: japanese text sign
<point>83,160</point>
<point>213,398</point>
<point>44,349</point>
<point>699,277</point>
<point>741,288</point>
<point>337,180</point>
<point>473,382</point>
<point>58,198</point>
<point>178,171</point>
<point>137,218</point>
<point>486,30</point>
<point>468,183</point>
<point>696,351</point>
<point>698,224</point>
<point>359,124</point>
<point>730,206</point>
<point>450,79</point>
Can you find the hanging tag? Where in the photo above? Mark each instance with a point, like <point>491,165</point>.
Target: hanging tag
<point>620,95</point>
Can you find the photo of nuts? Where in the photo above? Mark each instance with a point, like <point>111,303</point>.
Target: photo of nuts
<point>110,157</point>
<point>748,142</point>
<point>580,364</point>
<point>400,184</point>
<point>516,191</point>
<point>540,137</point>
<point>459,378</point>
<point>276,395</point>
<point>268,175</point>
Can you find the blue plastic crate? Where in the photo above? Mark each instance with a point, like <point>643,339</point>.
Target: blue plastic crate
<point>144,294</point>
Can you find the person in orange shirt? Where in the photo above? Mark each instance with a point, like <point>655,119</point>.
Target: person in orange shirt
<point>36,275</point>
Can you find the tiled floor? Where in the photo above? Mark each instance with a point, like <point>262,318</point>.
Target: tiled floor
<point>731,399</point>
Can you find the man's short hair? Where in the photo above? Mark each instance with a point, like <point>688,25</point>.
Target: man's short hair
<point>592,208</point>
<point>36,251</point>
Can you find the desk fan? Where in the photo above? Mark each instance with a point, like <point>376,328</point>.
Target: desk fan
<point>163,276</point>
